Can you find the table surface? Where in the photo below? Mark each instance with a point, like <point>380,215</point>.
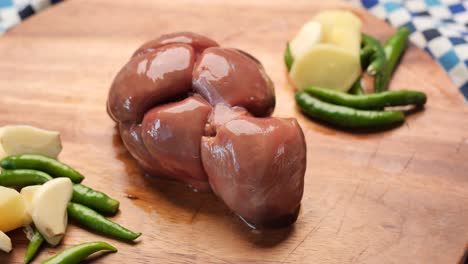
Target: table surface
<point>398,196</point>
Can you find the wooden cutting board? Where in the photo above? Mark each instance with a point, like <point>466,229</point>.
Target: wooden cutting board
<point>399,196</point>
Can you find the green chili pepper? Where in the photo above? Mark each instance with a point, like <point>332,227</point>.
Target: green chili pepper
<point>97,200</point>
<point>82,194</point>
<point>42,163</point>
<point>33,247</point>
<point>78,253</point>
<point>346,117</point>
<point>394,48</point>
<point>365,54</point>
<point>96,222</point>
<point>357,87</point>
<point>20,178</point>
<point>369,101</point>
<point>288,58</point>
<point>376,57</point>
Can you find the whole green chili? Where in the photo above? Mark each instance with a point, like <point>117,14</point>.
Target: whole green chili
<point>96,200</point>
<point>78,253</point>
<point>346,117</point>
<point>23,177</point>
<point>376,58</point>
<point>96,222</point>
<point>369,101</point>
<point>394,48</point>
<point>46,164</point>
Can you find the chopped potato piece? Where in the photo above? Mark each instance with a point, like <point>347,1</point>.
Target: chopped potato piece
<point>309,35</point>
<point>333,61</point>
<point>325,66</point>
<point>345,38</point>
<point>340,18</point>
<point>13,209</point>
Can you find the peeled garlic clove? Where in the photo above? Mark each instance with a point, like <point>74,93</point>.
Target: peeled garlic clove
<point>49,212</point>
<point>21,139</point>
<point>28,193</point>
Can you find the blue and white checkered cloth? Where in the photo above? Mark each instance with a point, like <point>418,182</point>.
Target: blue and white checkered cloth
<point>14,11</point>
<point>440,27</point>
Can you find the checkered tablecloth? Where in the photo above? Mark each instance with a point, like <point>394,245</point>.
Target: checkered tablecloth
<point>14,11</point>
<point>440,27</point>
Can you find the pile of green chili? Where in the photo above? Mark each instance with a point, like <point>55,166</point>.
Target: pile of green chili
<point>86,206</point>
<point>356,109</point>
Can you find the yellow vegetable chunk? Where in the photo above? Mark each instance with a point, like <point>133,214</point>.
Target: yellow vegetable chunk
<point>309,35</point>
<point>340,18</point>
<point>341,28</point>
<point>334,62</point>
<point>12,210</point>
<point>348,39</point>
<point>326,66</point>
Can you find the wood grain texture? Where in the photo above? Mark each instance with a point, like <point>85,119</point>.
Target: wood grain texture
<point>399,196</point>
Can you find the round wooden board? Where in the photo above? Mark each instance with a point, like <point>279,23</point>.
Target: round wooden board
<point>399,196</point>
